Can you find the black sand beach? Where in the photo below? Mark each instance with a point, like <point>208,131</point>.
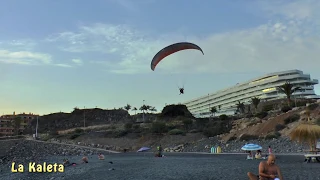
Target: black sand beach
<point>188,166</point>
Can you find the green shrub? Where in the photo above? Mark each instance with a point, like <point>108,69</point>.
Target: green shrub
<point>248,137</point>
<point>223,117</point>
<point>194,131</point>
<point>78,131</point>
<point>214,128</point>
<point>187,123</point>
<point>74,136</point>
<point>119,133</point>
<point>176,132</point>
<point>279,127</point>
<point>292,118</point>
<point>300,103</point>
<point>158,127</point>
<point>285,109</point>
<point>318,121</point>
<point>53,133</point>
<point>267,107</point>
<point>262,114</point>
<point>273,135</point>
<point>201,123</point>
<point>313,106</point>
<point>171,126</point>
<point>136,128</point>
<point>128,126</point>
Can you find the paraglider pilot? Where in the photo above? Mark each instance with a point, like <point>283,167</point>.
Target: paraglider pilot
<point>181,91</point>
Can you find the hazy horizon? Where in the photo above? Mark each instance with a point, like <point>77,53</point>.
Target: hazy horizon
<point>57,55</point>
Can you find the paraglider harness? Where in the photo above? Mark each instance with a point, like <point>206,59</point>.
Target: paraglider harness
<point>181,90</point>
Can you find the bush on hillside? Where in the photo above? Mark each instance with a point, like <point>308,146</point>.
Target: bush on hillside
<point>171,126</point>
<point>248,137</point>
<point>128,126</point>
<point>176,132</point>
<point>279,127</point>
<point>261,115</point>
<point>223,117</point>
<point>300,103</point>
<point>136,128</point>
<point>201,123</point>
<point>267,107</point>
<point>313,106</point>
<point>292,118</point>
<point>78,131</point>
<point>187,123</point>
<point>120,133</point>
<point>158,127</point>
<point>274,135</point>
<point>54,133</point>
<point>214,128</point>
<point>194,131</point>
<point>74,136</point>
<point>285,109</point>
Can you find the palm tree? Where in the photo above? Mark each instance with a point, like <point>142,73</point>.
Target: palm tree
<point>288,89</point>
<point>219,107</point>
<point>127,107</point>
<point>255,102</point>
<point>143,108</point>
<point>135,110</point>
<point>213,111</point>
<point>240,107</point>
<point>153,109</point>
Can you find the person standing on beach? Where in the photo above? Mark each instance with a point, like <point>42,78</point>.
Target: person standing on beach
<point>270,150</point>
<point>159,150</point>
<point>268,170</point>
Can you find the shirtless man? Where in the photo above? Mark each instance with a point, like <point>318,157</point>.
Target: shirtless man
<point>268,170</point>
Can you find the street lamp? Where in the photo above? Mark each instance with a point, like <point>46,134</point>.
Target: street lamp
<point>84,117</point>
<point>37,126</point>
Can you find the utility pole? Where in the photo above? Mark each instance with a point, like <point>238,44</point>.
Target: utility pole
<point>37,126</point>
<point>84,117</point>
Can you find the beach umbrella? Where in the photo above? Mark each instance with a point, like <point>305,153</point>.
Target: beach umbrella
<point>306,132</point>
<point>251,147</point>
<point>143,149</point>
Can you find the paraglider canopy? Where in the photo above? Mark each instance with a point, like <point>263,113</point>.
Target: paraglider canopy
<point>173,48</point>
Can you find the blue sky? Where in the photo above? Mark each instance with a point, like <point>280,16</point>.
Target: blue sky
<point>56,55</point>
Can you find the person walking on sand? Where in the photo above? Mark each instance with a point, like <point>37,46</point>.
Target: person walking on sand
<point>270,150</point>
<point>268,170</point>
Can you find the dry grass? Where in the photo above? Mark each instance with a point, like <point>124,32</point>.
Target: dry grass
<point>306,132</point>
<point>96,128</point>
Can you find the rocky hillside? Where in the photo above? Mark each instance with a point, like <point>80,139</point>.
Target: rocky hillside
<point>176,126</point>
<point>78,118</point>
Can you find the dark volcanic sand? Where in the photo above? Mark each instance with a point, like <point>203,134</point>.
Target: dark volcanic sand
<point>179,166</point>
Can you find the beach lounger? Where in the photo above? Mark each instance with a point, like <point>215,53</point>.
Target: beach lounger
<point>312,158</point>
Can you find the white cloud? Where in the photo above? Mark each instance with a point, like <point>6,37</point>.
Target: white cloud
<point>283,43</point>
<point>63,65</point>
<point>77,61</point>
<point>24,57</point>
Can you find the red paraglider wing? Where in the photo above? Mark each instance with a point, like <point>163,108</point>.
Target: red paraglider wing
<point>173,48</point>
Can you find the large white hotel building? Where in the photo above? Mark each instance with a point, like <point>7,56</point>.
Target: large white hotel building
<point>263,87</point>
